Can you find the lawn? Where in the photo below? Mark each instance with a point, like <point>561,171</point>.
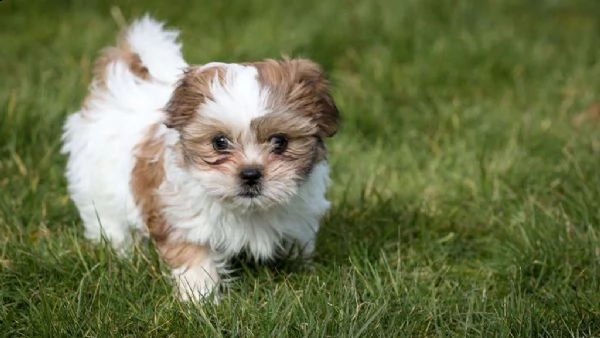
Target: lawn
<point>466,177</point>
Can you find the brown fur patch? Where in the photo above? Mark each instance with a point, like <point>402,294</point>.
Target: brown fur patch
<point>193,90</point>
<point>147,175</point>
<point>182,254</point>
<point>300,86</point>
<point>122,52</point>
<point>289,123</point>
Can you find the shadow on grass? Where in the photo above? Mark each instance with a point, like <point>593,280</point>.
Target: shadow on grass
<point>368,228</point>
<point>352,230</point>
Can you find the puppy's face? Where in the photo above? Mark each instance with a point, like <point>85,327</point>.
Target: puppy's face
<point>252,133</point>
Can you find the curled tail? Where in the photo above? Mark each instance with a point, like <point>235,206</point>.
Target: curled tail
<point>145,62</point>
<point>149,51</point>
<point>133,81</point>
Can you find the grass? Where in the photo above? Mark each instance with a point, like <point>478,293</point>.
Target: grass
<point>466,174</point>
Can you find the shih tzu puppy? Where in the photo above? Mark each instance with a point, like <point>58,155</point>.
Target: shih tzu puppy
<point>208,161</point>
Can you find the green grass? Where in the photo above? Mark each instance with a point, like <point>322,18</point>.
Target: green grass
<point>466,175</point>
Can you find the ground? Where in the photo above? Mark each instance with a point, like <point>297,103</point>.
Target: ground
<point>465,175</point>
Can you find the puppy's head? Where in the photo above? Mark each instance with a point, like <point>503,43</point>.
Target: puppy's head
<point>252,133</point>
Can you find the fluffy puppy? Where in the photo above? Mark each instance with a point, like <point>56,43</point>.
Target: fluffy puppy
<point>208,161</point>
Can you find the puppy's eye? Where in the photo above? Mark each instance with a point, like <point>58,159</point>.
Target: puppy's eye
<point>278,143</point>
<point>221,143</point>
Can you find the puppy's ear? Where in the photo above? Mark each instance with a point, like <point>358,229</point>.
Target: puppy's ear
<point>300,86</point>
<point>192,90</point>
<point>313,88</point>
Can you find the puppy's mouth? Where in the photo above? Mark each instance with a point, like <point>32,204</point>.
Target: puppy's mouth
<point>250,191</point>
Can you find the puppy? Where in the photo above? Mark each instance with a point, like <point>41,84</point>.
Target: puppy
<point>208,161</point>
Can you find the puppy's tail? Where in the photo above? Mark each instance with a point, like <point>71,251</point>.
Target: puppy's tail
<point>146,51</point>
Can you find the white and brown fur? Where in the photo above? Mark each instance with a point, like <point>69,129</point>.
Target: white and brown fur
<point>142,155</point>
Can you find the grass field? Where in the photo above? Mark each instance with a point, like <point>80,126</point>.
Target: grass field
<point>466,174</point>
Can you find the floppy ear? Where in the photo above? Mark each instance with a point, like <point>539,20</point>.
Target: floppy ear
<point>312,87</point>
<point>301,86</point>
<point>192,90</point>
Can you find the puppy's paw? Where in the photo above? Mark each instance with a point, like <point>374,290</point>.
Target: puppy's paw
<point>197,283</point>
<point>303,250</point>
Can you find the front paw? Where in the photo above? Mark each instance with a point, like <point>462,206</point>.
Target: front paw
<point>194,271</point>
<point>197,283</point>
<point>303,250</point>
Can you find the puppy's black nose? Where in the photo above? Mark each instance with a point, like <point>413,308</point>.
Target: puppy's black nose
<point>250,175</point>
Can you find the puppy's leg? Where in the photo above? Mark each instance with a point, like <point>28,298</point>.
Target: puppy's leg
<point>303,248</point>
<point>193,268</point>
<point>307,248</point>
<point>115,233</point>
<point>101,225</point>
